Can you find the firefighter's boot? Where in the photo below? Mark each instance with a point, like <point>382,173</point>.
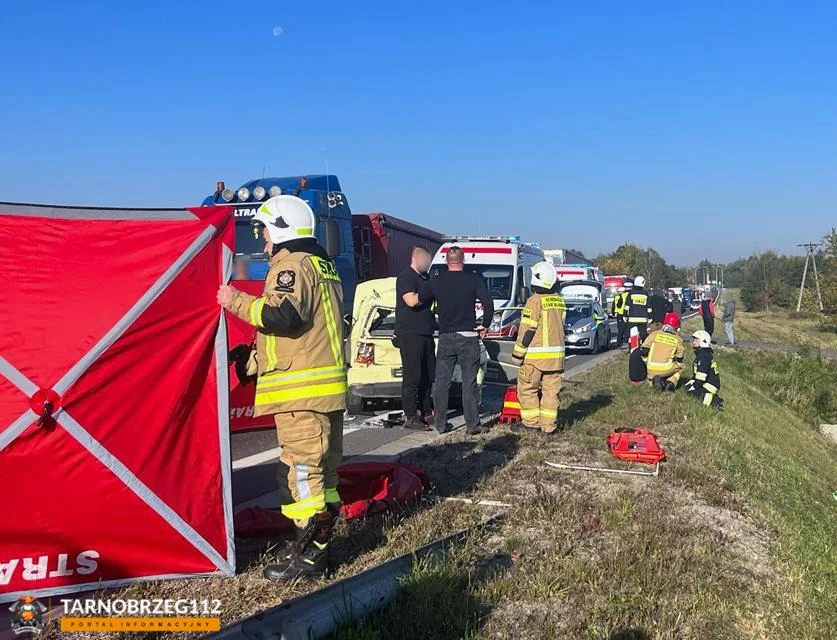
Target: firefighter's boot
<point>309,558</point>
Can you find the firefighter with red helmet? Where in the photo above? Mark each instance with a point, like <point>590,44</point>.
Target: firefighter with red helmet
<point>662,352</point>
<point>300,374</point>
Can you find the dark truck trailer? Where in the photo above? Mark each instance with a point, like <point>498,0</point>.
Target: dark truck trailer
<point>383,244</point>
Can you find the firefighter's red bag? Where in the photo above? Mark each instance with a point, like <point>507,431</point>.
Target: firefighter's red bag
<point>365,488</point>
<point>114,416</point>
<point>635,445</point>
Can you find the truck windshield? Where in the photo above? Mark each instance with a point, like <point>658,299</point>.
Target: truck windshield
<point>497,278</point>
<point>245,242</point>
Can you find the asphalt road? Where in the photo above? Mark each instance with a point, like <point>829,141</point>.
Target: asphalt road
<point>255,453</point>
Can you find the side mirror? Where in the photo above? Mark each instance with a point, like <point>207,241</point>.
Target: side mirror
<point>332,238</point>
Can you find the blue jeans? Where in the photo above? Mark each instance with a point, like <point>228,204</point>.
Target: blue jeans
<point>730,336</point>
<point>465,351</point>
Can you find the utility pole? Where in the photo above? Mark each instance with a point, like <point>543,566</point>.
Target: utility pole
<point>810,254</point>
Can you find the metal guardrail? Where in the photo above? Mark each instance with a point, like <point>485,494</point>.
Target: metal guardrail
<point>320,613</point>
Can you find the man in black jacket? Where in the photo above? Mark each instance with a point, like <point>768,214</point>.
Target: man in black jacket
<point>456,292</point>
<point>660,306</point>
<point>414,332</point>
<point>707,315</point>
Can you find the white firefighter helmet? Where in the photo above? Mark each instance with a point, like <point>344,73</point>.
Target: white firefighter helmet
<point>544,275</point>
<point>703,338</point>
<point>639,281</point>
<point>285,218</point>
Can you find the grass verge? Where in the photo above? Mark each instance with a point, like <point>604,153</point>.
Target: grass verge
<point>734,540</point>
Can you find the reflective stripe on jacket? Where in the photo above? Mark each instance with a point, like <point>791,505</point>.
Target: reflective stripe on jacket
<point>664,352</point>
<point>637,307</point>
<point>302,368</point>
<point>540,339</point>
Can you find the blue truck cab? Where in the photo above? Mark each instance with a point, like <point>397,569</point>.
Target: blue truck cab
<point>327,201</point>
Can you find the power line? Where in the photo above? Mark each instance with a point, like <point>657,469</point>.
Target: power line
<point>810,254</point>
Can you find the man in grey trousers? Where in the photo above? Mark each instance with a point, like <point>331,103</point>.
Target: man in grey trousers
<point>729,320</point>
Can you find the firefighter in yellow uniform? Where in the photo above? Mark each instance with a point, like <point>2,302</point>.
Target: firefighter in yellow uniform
<point>300,374</point>
<point>539,351</point>
<point>662,352</point>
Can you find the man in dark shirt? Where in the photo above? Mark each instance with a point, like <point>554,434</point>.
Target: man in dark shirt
<point>456,292</point>
<point>707,315</point>
<point>414,335</point>
<point>659,308</point>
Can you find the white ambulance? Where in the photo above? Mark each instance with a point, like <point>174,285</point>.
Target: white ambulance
<point>505,264</point>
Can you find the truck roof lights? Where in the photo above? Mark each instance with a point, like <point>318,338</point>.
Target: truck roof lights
<point>227,194</point>
<point>258,193</point>
<point>275,190</point>
<point>243,194</point>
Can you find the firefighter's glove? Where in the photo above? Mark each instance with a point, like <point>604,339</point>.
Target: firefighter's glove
<point>240,356</point>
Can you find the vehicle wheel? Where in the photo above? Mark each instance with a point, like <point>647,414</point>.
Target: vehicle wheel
<point>354,404</point>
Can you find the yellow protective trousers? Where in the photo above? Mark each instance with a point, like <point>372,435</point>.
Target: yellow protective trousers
<point>539,393</point>
<point>312,448</point>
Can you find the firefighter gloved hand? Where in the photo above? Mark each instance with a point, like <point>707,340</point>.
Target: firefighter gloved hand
<point>240,356</point>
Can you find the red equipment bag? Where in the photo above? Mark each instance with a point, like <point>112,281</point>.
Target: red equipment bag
<point>365,488</point>
<point>511,406</point>
<point>635,445</point>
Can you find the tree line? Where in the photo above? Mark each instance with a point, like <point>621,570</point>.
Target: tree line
<point>767,280</point>
<point>635,261</point>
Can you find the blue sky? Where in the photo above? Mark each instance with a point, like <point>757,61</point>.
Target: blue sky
<point>701,129</point>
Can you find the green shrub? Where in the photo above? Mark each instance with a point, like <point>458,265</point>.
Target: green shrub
<point>802,381</point>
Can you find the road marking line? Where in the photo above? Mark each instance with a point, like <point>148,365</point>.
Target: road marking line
<point>268,455</point>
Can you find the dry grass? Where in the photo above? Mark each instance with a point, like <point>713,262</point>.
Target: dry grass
<point>735,539</point>
<point>777,327</point>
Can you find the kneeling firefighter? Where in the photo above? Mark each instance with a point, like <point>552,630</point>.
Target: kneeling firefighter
<point>706,379</point>
<point>301,374</point>
<point>663,354</point>
<point>539,351</point>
